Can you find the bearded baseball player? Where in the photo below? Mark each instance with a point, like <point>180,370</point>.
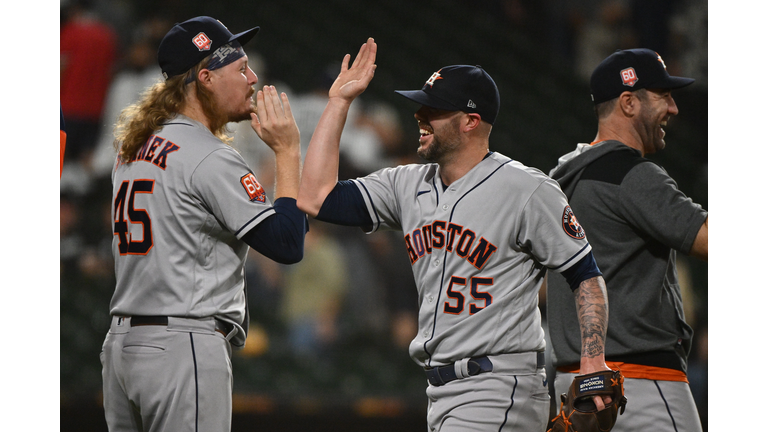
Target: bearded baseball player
<point>186,208</point>
<point>480,230</point>
<point>642,221</point>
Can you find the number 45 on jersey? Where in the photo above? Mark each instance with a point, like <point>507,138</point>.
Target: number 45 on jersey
<point>126,214</point>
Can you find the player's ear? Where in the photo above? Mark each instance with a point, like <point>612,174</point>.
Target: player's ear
<point>471,122</point>
<point>628,104</point>
<point>204,77</point>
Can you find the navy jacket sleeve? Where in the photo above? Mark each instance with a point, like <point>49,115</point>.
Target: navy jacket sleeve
<point>345,206</point>
<point>280,237</point>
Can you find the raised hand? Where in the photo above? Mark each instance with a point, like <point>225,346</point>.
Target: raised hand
<point>353,80</point>
<point>274,122</point>
<point>321,164</point>
<point>275,125</point>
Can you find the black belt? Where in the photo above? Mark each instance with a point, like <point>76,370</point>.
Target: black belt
<point>441,375</point>
<point>142,320</point>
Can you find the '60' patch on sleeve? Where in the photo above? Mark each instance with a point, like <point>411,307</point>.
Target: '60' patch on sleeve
<point>571,226</point>
<point>253,188</point>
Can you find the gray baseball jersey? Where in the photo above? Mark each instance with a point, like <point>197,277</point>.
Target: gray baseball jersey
<point>479,250</point>
<point>179,211</point>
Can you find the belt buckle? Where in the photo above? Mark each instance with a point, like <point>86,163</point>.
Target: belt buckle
<point>434,376</point>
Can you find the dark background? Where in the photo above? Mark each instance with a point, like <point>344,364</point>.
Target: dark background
<point>535,50</point>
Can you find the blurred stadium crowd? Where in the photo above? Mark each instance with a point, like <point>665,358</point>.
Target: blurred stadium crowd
<point>339,322</point>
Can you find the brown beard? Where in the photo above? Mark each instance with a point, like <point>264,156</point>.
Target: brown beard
<point>649,125</point>
<point>441,147</point>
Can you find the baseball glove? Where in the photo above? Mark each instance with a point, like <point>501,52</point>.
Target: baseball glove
<point>578,412</point>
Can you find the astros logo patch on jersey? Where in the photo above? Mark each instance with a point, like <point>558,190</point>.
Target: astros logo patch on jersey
<point>571,226</point>
<point>253,188</point>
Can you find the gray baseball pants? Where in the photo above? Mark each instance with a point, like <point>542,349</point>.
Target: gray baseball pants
<point>167,378</point>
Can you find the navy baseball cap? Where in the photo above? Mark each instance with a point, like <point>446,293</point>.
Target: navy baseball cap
<point>188,43</point>
<point>459,88</point>
<point>630,70</point>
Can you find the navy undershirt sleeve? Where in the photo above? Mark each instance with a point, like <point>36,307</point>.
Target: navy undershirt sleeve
<point>585,269</point>
<point>280,237</point>
<point>345,206</point>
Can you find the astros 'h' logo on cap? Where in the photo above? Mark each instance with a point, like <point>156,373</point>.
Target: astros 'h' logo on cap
<point>202,42</point>
<point>435,76</point>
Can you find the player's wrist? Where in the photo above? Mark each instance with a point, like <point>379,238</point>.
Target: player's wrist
<point>288,153</point>
<point>339,102</point>
<point>592,364</point>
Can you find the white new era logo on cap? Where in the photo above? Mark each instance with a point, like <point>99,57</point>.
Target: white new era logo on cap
<point>471,104</point>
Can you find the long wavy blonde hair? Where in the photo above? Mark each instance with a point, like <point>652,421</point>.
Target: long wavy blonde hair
<point>159,103</point>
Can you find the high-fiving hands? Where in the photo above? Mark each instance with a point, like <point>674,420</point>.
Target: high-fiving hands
<point>274,122</point>
<point>275,125</point>
<point>353,80</point>
<point>321,164</point>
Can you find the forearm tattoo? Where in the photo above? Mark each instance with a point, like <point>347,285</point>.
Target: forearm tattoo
<point>592,311</point>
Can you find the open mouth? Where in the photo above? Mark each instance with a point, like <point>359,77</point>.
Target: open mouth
<point>424,134</point>
<point>425,130</point>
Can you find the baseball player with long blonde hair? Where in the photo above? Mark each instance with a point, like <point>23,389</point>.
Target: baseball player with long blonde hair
<point>186,208</point>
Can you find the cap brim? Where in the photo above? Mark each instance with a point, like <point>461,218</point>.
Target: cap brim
<point>244,37</point>
<point>674,82</point>
<point>419,96</point>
